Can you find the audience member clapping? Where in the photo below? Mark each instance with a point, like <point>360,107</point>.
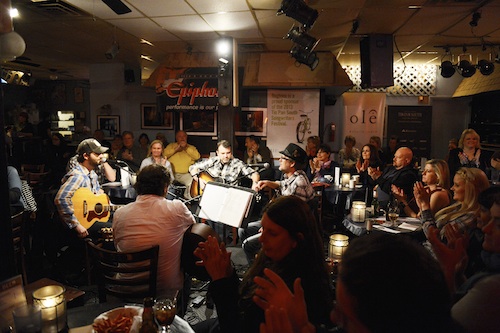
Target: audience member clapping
<point>291,246</point>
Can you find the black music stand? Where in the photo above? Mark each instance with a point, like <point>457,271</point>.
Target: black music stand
<point>227,204</point>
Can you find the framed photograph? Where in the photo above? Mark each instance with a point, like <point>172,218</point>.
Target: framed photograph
<point>110,125</point>
<point>199,122</point>
<point>151,117</point>
<point>251,121</point>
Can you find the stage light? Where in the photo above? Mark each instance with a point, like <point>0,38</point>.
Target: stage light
<point>112,51</point>
<point>466,69</point>
<point>300,11</point>
<point>485,67</point>
<point>447,69</point>
<point>475,18</point>
<point>306,41</point>
<point>305,57</point>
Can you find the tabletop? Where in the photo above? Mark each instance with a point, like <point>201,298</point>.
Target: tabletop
<point>80,319</point>
<point>405,225</point>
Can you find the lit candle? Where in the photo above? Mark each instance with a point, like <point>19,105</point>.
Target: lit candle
<point>337,176</point>
<point>346,177</point>
<point>338,244</point>
<point>51,301</point>
<point>358,211</point>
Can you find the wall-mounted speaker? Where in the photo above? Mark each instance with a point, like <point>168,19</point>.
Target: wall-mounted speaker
<point>129,76</point>
<point>376,61</point>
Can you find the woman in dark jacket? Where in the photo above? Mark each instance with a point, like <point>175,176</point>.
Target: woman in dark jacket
<point>291,247</point>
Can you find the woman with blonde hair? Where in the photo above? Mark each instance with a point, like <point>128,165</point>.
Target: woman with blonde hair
<point>156,156</point>
<point>469,153</point>
<point>437,179</point>
<point>463,214</point>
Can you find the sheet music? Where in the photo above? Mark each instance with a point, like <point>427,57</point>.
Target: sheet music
<point>226,204</point>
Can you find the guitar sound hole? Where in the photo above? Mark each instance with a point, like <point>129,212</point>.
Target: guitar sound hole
<point>98,209</point>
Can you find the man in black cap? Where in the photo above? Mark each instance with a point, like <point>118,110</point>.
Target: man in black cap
<point>294,182</point>
<point>82,175</point>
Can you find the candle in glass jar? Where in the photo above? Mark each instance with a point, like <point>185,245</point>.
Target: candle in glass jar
<point>53,304</point>
<point>346,177</point>
<point>337,245</point>
<point>358,211</point>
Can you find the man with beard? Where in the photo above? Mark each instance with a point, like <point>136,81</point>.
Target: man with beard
<point>82,175</point>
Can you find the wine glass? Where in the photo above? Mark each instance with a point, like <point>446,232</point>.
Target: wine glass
<point>165,310</point>
<point>393,213</point>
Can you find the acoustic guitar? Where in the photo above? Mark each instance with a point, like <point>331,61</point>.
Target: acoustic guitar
<point>90,208</point>
<point>197,186</point>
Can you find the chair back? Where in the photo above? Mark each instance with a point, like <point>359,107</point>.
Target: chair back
<point>18,232</point>
<point>126,275</point>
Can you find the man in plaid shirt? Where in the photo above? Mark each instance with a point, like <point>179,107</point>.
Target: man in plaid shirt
<point>224,167</point>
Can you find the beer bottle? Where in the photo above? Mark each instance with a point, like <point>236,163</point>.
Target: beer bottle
<point>375,204</point>
<point>148,320</point>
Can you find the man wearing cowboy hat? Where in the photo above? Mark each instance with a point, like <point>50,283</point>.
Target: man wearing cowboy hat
<point>294,182</point>
<point>82,175</point>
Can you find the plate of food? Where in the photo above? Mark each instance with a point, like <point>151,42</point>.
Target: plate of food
<point>126,319</point>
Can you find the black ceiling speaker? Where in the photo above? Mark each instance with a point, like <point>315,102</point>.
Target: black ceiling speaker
<point>117,6</point>
<point>447,69</point>
<point>485,67</point>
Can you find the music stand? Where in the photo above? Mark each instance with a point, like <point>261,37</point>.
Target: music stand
<point>227,204</point>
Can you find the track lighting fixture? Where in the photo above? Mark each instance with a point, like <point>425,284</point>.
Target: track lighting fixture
<point>300,11</point>
<point>112,51</point>
<point>485,67</point>
<point>303,56</point>
<point>447,69</point>
<point>475,18</point>
<point>306,41</point>
<point>466,69</point>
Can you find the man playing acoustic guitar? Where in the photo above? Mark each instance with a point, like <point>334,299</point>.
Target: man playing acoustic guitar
<point>82,175</point>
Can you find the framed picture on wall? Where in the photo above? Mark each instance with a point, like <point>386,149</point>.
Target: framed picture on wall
<point>251,121</point>
<point>110,125</point>
<point>199,122</point>
<point>153,118</point>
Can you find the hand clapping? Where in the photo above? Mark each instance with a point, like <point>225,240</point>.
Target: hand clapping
<point>215,258</point>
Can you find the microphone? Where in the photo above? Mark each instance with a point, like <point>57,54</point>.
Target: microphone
<point>260,165</point>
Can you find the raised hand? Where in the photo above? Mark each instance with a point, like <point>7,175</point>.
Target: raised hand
<point>422,196</point>
<point>274,292</point>
<point>398,193</point>
<point>215,258</point>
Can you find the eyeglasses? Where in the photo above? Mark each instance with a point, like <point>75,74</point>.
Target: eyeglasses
<point>284,158</point>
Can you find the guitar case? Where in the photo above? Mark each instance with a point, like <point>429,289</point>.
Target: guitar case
<point>196,233</point>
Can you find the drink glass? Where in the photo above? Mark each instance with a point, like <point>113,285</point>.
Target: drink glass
<point>27,319</point>
<point>165,310</point>
<point>393,213</point>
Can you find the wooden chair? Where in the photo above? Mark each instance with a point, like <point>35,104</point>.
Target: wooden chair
<point>18,232</point>
<point>107,264</point>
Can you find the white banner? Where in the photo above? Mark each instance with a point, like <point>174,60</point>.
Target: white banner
<point>364,116</point>
<point>293,117</point>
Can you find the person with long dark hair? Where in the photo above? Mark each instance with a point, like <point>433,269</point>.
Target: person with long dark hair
<point>291,247</point>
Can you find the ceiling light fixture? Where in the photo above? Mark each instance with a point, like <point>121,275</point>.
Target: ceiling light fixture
<point>306,41</point>
<point>475,18</point>
<point>305,57</point>
<point>466,69</point>
<point>447,69</point>
<point>485,67</point>
<point>300,11</point>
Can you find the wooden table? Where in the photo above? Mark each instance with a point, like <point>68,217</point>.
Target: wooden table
<point>70,293</point>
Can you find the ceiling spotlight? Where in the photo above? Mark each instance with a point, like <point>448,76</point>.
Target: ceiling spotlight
<point>307,42</point>
<point>300,11</point>
<point>485,67</point>
<point>305,57</point>
<point>475,18</point>
<point>112,51</point>
<point>466,69</point>
<point>447,69</point>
